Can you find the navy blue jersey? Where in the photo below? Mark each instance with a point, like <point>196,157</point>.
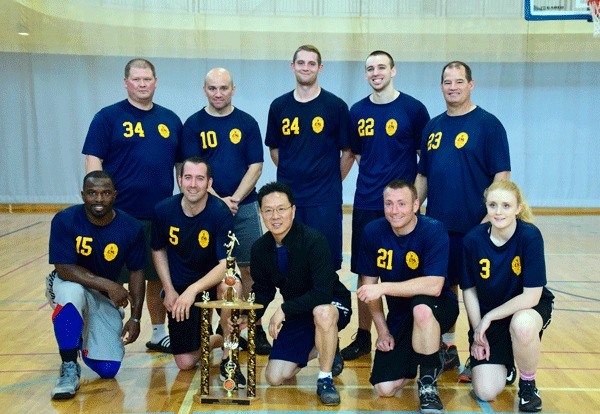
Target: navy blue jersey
<point>387,137</point>
<point>229,143</point>
<point>139,149</point>
<point>422,252</point>
<point>460,156</point>
<point>499,273</point>
<point>194,245</point>
<point>103,250</point>
<point>309,136</point>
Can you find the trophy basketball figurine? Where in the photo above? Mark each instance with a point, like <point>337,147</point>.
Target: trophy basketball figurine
<point>232,301</point>
<point>231,275</point>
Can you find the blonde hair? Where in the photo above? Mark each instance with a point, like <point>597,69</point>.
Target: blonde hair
<point>525,214</point>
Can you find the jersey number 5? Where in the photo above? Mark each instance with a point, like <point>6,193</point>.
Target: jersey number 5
<point>173,237</point>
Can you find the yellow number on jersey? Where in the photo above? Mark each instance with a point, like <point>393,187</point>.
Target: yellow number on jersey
<point>83,245</point>
<point>485,268</point>
<point>384,260</point>
<point>173,238</point>
<point>209,139</point>
<point>434,141</point>
<point>288,127</point>
<point>366,127</point>
<point>130,130</point>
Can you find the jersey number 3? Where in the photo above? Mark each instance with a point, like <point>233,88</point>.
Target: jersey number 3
<point>485,268</point>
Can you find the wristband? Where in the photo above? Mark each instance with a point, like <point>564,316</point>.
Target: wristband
<point>134,320</point>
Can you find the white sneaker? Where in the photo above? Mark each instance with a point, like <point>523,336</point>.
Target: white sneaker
<point>68,381</point>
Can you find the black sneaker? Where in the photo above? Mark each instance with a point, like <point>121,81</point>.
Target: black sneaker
<point>511,375</point>
<point>164,345</point>
<point>327,392</point>
<point>262,345</point>
<point>242,343</point>
<point>361,345</point>
<point>338,362</point>
<point>450,354</point>
<point>429,398</point>
<point>238,377</point>
<point>465,374</point>
<point>529,397</point>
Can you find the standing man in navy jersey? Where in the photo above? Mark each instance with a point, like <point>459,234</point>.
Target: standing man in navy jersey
<point>463,151</point>
<point>89,244</point>
<point>306,130</point>
<point>385,142</point>
<point>229,139</point>
<point>138,143</point>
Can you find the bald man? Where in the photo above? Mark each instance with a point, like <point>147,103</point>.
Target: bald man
<point>230,140</point>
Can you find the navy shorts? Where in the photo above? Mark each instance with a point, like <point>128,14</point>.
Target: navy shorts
<point>401,362</point>
<point>296,339</point>
<point>247,229</point>
<point>328,220</point>
<point>498,335</point>
<point>149,270</point>
<point>360,219</point>
<point>455,260</point>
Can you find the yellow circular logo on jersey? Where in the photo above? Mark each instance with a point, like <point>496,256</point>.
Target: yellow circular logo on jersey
<point>391,126</point>
<point>318,124</point>
<point>461,140</point>
<point>163,130</point>
<point>110,252</point>
<point>412,260</point>
<point>516,265</point>
<point>203,238</point>
<point>235,135</point>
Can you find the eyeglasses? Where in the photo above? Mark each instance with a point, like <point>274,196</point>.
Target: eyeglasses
<point>268,212</point>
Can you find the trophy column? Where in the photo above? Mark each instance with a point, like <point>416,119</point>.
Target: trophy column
<point>231,393</point>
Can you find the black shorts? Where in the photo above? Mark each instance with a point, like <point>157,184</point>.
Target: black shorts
<point>185,335</point>
<point>498,335</point>
<point>149,270</point>
<point>401,362</point>
<point>360,219</point>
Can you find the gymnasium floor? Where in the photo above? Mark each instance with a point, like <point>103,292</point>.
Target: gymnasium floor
<point>568,376</point>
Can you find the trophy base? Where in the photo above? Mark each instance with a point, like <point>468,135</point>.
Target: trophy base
<point>206,399</point>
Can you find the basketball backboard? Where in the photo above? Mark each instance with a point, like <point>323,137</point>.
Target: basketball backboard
<point>557,10</point>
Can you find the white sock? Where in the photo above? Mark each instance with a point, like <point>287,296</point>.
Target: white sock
<point>324,375</point>
<point>158,333</point>
<point>449,338</point>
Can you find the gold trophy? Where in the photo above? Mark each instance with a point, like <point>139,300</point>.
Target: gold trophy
<point>231,300</point>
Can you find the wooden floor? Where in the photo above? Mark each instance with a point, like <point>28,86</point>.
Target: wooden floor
<point>568,376</point>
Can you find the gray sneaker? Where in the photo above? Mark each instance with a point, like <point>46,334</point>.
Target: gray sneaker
<point>68,381</point>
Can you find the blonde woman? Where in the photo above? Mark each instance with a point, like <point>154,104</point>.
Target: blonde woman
<point>505,296</point>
